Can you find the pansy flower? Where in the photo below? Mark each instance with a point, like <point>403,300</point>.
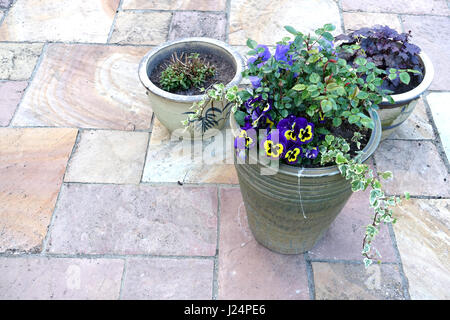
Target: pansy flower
<point>294,152</point>
<point>261,56</point>
<point>274,145</point>
<point>311,153</point>
<point>298,129</point>
<point>321,117</point>
<point>256,81</point>
<point>246,139</point>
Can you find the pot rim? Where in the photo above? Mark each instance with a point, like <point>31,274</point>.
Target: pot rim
<point>293,171</point>
<point>145,80</point>
<point>417,91</point>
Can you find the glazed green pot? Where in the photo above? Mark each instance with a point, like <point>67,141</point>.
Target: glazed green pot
<point>393,115</point>
<point>289,211</point>
<point>170,108</point>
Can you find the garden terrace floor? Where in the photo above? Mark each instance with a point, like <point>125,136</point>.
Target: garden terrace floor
<point>90,207</point>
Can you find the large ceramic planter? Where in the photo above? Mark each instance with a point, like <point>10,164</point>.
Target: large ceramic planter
<point>288,212</point>
<point>169,108</point>
<point>393,115</point>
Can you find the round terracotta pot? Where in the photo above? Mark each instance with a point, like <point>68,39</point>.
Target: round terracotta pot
<point>289,211</point>
<point>393,115</point>
<point>170,108</point>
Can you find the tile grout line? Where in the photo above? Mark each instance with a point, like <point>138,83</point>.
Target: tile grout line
<point>405,283</point>
<point>215,284</point>
<point>111,30</point>
<point>100,256</point>
<point>29,80</point>
<point>310,276</point>
<point>396,13</point>
<point>79,128</point>
<point>399,17</point>
<point>437,140</point>
<point>171,10</point>
<point>341,15</point>
<point>122,281</point>
<point>53,216</point>
<point>82,43</point>
<point>228,21</point>
<point>146,149</point>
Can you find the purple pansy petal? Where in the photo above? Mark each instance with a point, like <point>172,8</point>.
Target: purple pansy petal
<point>256,81</point>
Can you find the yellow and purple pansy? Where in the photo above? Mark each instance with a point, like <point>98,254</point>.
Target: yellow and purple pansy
<point>246,138</point>
<point>296,129</point>
<point>275,145</point>
<point>294,152</point>
<point>311,153</point>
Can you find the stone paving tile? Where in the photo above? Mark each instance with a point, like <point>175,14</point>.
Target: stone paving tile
<point>171,160</point>
<point>264,20</point>
<point>17,60</point>
<point>105,156</point>
<point>129,219</point>
<point>248,270</point>
<point>64,20</point>
<point>417,168</point>
<point>198,24</point>
<point>200,5</point>
<point>88,86</point>
<point>356,20</point>
<point>32,165</point>
<point>338,281</point>
<point>343,240</point>
<point>423,239</point>
<point>432,35</point>
<point>141,27</point>
<point>39,278</point>
<point>10,94</point>
<point>436,7</point>
<point>417,126</point>
<point>168,279</point>
<point>439,103</point>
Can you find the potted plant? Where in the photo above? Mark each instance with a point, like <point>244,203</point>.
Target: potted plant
<point>303,134</point>
<point>391,51</point>
<point>176,73</point>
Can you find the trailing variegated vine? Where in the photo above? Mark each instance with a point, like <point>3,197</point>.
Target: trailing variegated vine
<point>335,150</point>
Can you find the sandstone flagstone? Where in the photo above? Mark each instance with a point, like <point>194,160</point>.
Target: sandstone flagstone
<point>104,156</point>
<point>168,279</point>
<point>248,270</point>
<point>343,240</point>
<point>339,281</point>
<point>198,24</point>
<point>172,160</point>
<point>417,126</point>
<point>264,20</point>
<point>141,27</point>
<point>88,86</point>
<point>17,60</point>
<point>40,278</point>
<point>356,20</point>
<point>417,168</point>
<point>423,239</point>
<point>436,7</point>
<point>200,5</point>
<point>32,165</point>
<point>129,219</point>
<point>63,20</point>
<point>10,94</point>
<point>432,35</point>
<point>440,108</point>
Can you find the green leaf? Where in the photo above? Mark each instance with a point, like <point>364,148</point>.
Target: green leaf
<point>405,78</point>
<point>299,87</point>
<point>407,195</point>
<point>368,123</point>
<point>326,106</point>
<point>251,43</point>
<point>362,95</point>
<point>340,159</point>
<point>353,119</point>
<point>360,61</point>
<point>240,117</point>
<point>329,27</point>
<point>314,77</point>
<point>312,88</point>
<point>329,139</point>
<point>291,30</point>
<point>392,76</point>
<point>337,122</point>
<point>392,70</point>
<point>385,175</point>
